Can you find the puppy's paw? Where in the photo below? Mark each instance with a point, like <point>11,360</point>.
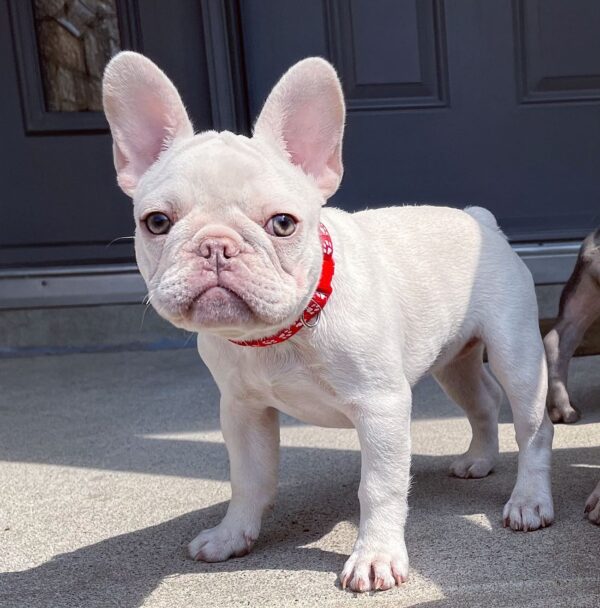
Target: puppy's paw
<point>592,505</point>
<point>528,513</point>
<point>376,569</point>
<point>220,543</point>
<point>563,412</point>
<point>472,466</point>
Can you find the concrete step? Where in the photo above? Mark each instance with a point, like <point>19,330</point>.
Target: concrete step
<point>115,327</point>
<point>65,330</point>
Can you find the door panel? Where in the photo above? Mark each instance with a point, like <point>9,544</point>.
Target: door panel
<point>558,50</point>
<point>437,111</point>
<point>362,37</point>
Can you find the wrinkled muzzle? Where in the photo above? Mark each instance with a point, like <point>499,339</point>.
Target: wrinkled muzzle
<point>221,283</point>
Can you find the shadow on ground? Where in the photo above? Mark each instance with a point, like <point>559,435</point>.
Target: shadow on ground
<point>454,535</point>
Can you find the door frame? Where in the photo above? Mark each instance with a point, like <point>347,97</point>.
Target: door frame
<point>550,263</point>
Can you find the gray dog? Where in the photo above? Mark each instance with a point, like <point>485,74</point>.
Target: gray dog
<point>579,308</point>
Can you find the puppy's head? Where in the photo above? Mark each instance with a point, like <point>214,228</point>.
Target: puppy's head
<point>227,233</point>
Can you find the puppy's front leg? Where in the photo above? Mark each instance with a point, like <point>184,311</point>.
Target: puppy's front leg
<point>252,439</point>
<point>379,559</point>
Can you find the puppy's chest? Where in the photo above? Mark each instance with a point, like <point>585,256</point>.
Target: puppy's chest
<point>295,384</point>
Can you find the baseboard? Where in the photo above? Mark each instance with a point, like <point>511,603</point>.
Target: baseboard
<point>550,263</point>
<point>71,286</point>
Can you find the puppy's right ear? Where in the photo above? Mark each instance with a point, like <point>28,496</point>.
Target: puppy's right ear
<point>145,114</point>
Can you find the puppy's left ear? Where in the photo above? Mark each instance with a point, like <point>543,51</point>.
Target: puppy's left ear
<point>304,118</point>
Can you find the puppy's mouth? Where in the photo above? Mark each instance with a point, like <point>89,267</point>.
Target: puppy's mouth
<point>217,307</point>
<point>215,291</point>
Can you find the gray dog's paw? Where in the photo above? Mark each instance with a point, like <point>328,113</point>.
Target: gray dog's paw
<point>563,412</point>
<point>592,505</point>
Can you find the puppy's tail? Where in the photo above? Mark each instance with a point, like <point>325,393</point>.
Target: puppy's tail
<point>485,218</point>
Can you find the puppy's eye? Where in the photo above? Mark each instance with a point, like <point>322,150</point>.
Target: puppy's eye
<point>158,223</point>
<point>281,224</point>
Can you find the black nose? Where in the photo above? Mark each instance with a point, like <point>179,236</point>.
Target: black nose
<point>218,247</point>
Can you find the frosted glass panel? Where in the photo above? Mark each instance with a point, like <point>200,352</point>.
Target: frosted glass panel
<point>76,38</point>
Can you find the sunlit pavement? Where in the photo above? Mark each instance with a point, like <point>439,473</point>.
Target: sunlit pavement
<point>110,463</point>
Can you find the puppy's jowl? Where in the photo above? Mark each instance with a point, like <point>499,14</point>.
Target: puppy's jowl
<point>328,316</point>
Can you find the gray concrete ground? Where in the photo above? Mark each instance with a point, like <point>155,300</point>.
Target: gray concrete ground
<point>110,463</point>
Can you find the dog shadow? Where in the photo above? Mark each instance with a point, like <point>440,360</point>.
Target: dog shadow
<point>454,533</point>
<point>125,569</point>
<point>454,529</point>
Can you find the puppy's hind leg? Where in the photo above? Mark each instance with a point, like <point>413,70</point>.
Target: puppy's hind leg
<point>467,382</point>
<point>516,356</point>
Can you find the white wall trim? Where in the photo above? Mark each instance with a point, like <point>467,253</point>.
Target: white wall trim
<point>71,286</point>
<point>550,263</point>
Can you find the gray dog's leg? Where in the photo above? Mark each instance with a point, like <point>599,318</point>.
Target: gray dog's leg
<point>579,308</point>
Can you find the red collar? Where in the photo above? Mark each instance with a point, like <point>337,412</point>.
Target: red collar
<point>316,304</point>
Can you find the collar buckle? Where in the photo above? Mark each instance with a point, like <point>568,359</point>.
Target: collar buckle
<point>312,321</point>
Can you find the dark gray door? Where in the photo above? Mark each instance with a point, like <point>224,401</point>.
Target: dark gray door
<point>492,102</point>
<point>59,200</point>
<point>458,102</point>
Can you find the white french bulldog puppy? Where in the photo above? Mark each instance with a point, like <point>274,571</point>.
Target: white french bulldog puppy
<point>230,244</point>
